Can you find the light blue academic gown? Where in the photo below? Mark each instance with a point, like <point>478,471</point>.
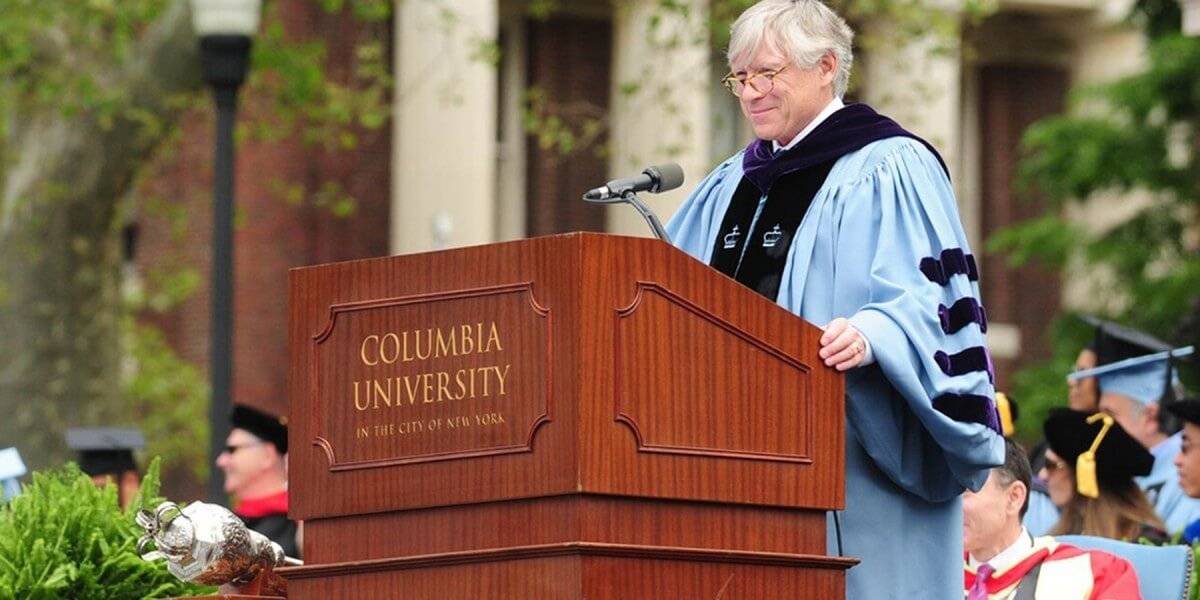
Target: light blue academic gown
<point>1162,486</point>
<point>856,253</point>
<point>1041,516</point>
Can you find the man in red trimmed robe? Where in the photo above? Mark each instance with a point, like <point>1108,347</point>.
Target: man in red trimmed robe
<point>255,466</point>
<point>1004,562</point>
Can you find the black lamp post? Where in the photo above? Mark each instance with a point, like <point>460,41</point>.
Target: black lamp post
<point>225,29</point>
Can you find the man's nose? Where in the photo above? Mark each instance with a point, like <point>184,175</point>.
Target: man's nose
<point>749,93</point>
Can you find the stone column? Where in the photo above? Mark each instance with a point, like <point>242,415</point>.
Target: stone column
<point>918,82</point>
<point>444,131</point>
<point>660,101</point>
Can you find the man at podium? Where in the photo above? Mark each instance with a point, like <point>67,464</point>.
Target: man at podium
<point>846,219</point>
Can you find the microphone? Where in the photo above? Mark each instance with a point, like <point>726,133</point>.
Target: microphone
<point>658,178</point>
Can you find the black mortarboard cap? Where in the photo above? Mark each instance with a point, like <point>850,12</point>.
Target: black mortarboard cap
<point>105,450</point>
<point>1146,383</point>
<point>1113,342</point>
<point>1188,410</point>
<point>267,427</point>
<point>1118,458</point>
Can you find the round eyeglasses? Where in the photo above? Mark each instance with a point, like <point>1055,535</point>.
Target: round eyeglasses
<point>762,82</point>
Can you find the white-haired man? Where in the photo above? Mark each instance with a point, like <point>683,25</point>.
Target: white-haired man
<point>843,217</point>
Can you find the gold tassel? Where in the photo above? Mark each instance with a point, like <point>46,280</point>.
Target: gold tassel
<point>1085,466</point>
<point>1005,409</point>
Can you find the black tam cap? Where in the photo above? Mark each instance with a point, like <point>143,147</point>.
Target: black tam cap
<point>1118,458</point>
<point>1115,342</point>
<point>267,427</point>
<point>105,450</point>
<point>1188,410</point>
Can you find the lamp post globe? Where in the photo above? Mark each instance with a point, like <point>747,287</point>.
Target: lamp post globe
<point>225,29</point>
<point>226,17</point>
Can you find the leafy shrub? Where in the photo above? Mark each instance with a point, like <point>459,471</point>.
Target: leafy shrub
<point>63,537</point>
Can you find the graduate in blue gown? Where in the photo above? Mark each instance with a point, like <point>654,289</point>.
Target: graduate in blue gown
<point>1135,391</point>
<point>849,221</point>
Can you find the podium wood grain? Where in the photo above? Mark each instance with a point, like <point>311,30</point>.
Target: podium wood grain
<point>665,432</point>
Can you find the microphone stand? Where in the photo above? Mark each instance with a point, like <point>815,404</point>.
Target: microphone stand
<point>632,198</point>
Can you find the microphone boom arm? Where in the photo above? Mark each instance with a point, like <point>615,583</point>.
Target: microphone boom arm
<point>655,225</point>
<point>659,178</point>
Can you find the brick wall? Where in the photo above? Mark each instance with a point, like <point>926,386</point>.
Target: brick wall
<point>272,234</point>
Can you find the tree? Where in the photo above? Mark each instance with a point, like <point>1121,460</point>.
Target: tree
<point>91,95</point>
<point>1138,137</point>
<point>88,93</point>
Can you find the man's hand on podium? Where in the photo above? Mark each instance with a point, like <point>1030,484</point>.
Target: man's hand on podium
<point>843,347</point>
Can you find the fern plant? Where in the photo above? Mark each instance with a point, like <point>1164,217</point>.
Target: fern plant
<point>63,537</point>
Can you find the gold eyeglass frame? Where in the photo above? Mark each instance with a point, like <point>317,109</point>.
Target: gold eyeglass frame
<point>731,81</point>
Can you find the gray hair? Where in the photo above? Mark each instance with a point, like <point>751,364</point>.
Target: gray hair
<point>804,30</point>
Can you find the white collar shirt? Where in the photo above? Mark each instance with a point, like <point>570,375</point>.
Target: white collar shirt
<point>834,105</point>
<point>1009,556</point>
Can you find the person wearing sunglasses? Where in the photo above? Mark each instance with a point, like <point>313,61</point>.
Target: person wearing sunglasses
<point>843,217</point>
<point>1090,469</point>
<point>254,463</point>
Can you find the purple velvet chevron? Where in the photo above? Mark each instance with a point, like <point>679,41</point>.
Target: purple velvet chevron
<point>964,312</point>
<point>969,408</point>
<point>975,358</point>
<point>953,262</point>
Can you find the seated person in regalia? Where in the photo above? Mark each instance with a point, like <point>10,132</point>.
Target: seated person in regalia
<point>1090,468</point>
<point>1003,561</point>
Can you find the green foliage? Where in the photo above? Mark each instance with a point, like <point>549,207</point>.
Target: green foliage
<point>323,108</point>
<point>542,9</point>
<point>73,60</point>
<point>80,59</point>
<point>1157,17</point>
<point>63,537</point>
<point>44,44</point>
<point>1139,135</point>
<point>310,101</point>
<point>1194,591</point>
<point>172,397</point>
<point>1049,237</point>
<point>565,128</point>
<point>1137,144</point>
<point>1042,387</point>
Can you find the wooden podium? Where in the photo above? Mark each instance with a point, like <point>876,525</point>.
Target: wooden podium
<point>576,416</point>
